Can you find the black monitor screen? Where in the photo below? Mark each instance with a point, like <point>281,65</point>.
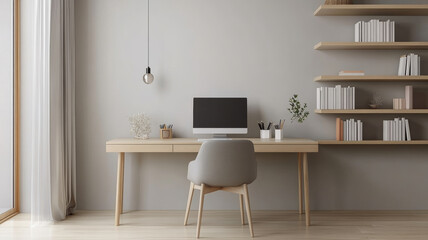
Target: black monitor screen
<point>220,113</point>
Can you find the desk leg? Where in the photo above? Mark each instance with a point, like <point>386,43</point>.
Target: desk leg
<point>306,186</point>
<point>299,175</point>
<point>119,186</point>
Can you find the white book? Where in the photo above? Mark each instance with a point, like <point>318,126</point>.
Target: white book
<point>358,130</point>
<point>357,32</point>
<point>318,98</point>
<point>345,130</point>
<point>403,129</point>
<point>388,28</point>
<point>396,129</point>
<point>381,25</point>
<point>394,136</point>
<point>337,96</point>
<point>353,97</point>
<point>378,31</point>
<point>384,131</point>
<point>402,66</point>
<point>399,130</point>
<point>393,32</point>
<point>389,130</point>
<point>355,130</point>
<point>345,98</point>
<point>325,98</point>
<point>413,64</point>
<point>408,136</point>
<point>408,62</point>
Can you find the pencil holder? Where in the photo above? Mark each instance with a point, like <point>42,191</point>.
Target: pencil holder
<point>264,134</point>
<point>166,133</point>
<point>278,134</point>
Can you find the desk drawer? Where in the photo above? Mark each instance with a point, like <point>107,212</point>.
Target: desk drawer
<point>149,148</point>
<point>191,148</point>
<point>266,148</point>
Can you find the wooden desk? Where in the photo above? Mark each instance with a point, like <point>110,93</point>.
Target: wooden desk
<point>188,145</point>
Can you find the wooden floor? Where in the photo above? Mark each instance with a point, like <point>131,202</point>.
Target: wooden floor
<point>225,225</point>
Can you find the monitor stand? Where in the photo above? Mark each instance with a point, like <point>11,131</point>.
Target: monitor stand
<point>215,137</point>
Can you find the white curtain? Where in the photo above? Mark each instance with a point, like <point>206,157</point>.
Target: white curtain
<point>53,188</point>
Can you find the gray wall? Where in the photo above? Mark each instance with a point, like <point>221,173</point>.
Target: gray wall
<point>259,49</point>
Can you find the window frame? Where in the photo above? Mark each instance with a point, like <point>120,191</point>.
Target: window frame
<point>16,111</point>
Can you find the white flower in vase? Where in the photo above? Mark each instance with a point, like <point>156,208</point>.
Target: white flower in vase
<point>140,125</point>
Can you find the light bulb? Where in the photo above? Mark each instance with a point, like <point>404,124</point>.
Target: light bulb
<point>148,77</point>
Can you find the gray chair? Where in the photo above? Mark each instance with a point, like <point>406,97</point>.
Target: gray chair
<point>228,165</point>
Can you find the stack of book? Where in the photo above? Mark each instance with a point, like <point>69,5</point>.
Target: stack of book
<point>396,130</point>
<point>375,31</point>
<point>410,65</point>
<point>336,97</point>
<point>351,73</point>
<point>349,130</point>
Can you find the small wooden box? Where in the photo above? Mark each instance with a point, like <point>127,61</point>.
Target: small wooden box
<point>166,133</point>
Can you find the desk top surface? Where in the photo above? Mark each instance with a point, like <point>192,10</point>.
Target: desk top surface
<point>194,141</point>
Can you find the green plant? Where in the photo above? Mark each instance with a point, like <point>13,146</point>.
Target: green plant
<point>297,110</point>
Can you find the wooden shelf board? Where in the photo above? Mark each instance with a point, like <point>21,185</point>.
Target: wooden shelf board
<point>373,10</point>
<point>373,142</point>
<point>373,111</point>
<point>374,78</point>
<point>371,46</point>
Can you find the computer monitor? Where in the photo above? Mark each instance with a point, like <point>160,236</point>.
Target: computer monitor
<point>220,115</point>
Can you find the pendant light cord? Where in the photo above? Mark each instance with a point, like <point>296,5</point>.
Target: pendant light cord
<point>148,32</point>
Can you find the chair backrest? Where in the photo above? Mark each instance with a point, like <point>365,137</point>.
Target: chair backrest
<point>225,163</point>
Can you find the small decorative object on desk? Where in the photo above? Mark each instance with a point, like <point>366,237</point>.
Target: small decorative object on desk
<point>165,131</point>
<point>264,131</point>
<point>140,125</point>
<point>278,130</point>
<point>376,102</point>
<point>299,112</point>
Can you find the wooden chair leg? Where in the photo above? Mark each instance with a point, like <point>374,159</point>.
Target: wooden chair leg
<point>189,203</point>
<point>201,206</point>
<point>247,203</point>
<point>242,209</point>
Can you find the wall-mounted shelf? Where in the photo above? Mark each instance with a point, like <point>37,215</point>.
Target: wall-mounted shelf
<point>377,78</point>
<point>373,111</point>
<point>373,142</point>
<point>372,10</point>
<point>371,46</point>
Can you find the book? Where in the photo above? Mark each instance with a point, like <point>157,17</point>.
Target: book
<point>337,97</point>
<point>408,92</point>
<point>374,31</point>
<point>408,61</point>
<point>351,73</point>
<point>338,129</point>
<point>396,130</point>
<point>402,66</point>
<point>408,136</point>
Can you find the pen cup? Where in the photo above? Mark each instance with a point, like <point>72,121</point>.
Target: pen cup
<point>264,134</point>
<point>278,134</point>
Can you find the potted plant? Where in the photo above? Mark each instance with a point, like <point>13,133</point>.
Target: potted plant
<point>297,110</point>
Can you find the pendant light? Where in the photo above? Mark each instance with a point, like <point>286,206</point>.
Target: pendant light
<point>148,77</point>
